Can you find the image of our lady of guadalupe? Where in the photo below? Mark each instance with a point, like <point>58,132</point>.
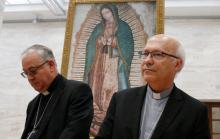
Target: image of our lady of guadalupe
<point>109,53</point>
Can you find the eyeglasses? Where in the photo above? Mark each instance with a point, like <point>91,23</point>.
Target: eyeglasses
<point>157,55</point>
<point>32,70</point>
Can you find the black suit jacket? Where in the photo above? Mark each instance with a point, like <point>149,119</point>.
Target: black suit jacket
<point>183,117</point>
<point>68,115</point>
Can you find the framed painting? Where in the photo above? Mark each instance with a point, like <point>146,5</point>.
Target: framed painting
<point>101,45</point>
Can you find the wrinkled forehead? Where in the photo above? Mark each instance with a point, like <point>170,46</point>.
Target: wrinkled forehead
<point>161,44</point>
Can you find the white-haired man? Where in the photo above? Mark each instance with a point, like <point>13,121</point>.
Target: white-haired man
<point>158,110</point>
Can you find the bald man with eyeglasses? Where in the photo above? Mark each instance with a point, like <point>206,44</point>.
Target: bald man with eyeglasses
<point>63,108</point>
<point>159,109</point>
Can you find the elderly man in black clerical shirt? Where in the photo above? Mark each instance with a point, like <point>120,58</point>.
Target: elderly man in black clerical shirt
<point>63,108</point>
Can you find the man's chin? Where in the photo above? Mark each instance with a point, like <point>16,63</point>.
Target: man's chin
<point>149,78</point>
<point>38,89</point>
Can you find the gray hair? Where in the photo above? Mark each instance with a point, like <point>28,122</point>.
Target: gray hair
<point>44,52</point>
<point>180,53</point>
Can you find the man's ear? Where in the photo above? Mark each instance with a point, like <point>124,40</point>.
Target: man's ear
<point>52,64</point>
<point>179,65</point>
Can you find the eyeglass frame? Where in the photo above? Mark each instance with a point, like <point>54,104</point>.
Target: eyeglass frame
<point>33,72</point>
<point>144,53</point>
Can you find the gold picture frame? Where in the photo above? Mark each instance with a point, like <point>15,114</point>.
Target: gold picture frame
<point>143,18</point>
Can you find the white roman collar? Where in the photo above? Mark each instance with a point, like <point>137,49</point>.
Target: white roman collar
<point>160,95</point>
<point>45,93</point>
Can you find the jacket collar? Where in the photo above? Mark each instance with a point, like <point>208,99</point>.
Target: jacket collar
<point>138,101</point>
<point>171,109</point>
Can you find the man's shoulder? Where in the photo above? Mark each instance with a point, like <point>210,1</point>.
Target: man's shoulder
<point>77,86</point>
<point>75,83</point>
<point>34,100</point>
<point>69,83</point>
<point>130,92</point>
<point>189,100</point>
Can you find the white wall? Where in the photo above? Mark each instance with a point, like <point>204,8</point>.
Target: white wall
<point>201,39</point>
<point>199,78</point>
<point>1,12</point>
<point>0,20</point>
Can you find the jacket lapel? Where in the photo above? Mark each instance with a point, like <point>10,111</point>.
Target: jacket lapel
<point>50,108</point>
<point>30,115</point>
<point>138,101</point>
<point>171,109</point>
